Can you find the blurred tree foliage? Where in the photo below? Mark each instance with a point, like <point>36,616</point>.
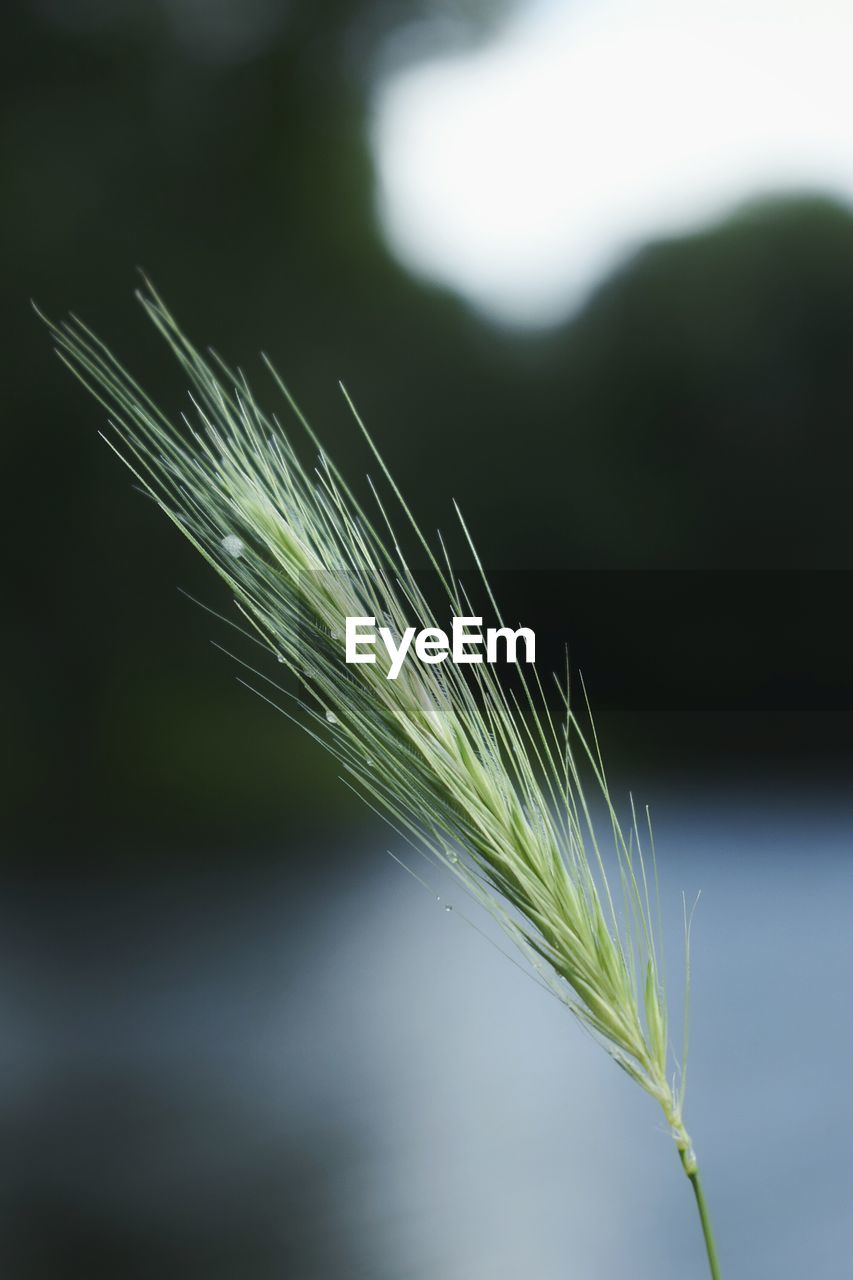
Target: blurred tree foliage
<point>695,414</point>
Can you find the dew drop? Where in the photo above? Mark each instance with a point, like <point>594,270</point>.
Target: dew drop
<point>279,657</point>
<point>331,717</point>
<point>233,546</point>
<point>452,857</point>
<point>448,907</point>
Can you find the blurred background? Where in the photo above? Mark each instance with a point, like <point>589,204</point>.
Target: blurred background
<point>587,267</point>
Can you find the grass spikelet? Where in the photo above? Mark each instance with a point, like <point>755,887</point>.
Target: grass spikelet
<point>485,779</point>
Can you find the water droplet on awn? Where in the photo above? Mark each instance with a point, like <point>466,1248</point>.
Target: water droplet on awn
<point>233,546</point>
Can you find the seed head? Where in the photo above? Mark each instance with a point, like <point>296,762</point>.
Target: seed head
<point>485,779</point>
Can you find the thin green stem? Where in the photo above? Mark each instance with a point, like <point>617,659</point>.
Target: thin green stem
<point>701,1204</point>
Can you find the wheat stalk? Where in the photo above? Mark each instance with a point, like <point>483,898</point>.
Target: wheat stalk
<point>487,781</point>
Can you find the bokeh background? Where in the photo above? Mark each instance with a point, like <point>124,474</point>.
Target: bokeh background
<point>588,268</point>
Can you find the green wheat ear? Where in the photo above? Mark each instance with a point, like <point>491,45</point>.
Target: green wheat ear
<point>485,780</point>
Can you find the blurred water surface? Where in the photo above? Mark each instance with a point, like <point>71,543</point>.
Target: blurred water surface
<point>262,1074</point>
